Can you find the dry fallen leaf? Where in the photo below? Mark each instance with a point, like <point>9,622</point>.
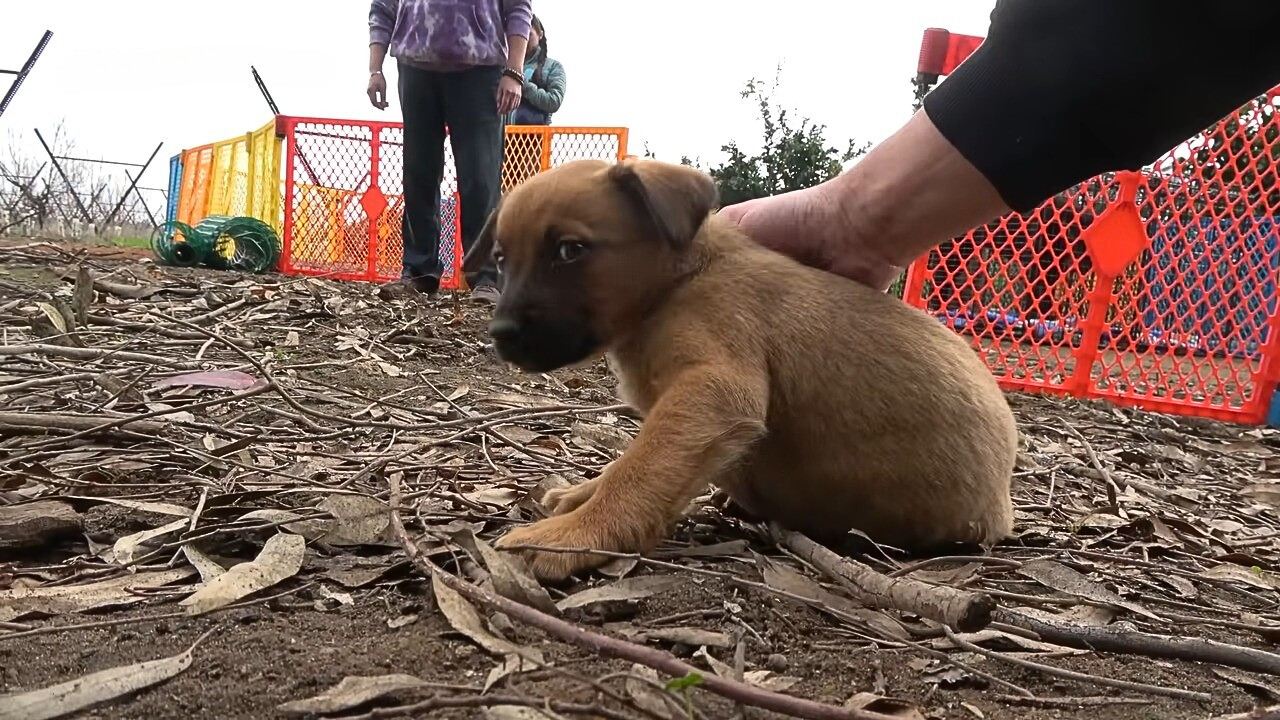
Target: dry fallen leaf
<point>633,588</point>
<point>645,687</point>
<point>693,636</point>
<point>464,618</point>
<point>351,692</point>
<point>280,559</point>
<point>205,565</point>
<point>893,707</point>
<point>35,525</point>
<point>228,379</point>
<point>519,712</point>
<point>93,689</point>
<point>1057,576</point>
<point>512,578</point>
<point>129,548</point>
<point>18,602</point>
<point>358,520</point>
<point>1246,576</point>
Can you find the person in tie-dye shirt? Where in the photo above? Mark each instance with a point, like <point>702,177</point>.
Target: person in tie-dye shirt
<point>460,64</point>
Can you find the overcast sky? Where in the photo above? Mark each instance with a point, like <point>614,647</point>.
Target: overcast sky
<point>127,74</point>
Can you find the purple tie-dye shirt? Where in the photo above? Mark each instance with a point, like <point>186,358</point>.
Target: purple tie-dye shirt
<point>448,34</point>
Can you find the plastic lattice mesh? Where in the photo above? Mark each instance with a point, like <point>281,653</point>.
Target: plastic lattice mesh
<point>335,188</point>
<point>1187,326</point>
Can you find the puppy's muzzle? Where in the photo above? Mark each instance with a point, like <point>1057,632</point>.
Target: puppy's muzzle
<point>539,346</point>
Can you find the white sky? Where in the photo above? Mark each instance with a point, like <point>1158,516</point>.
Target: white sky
<point>126,74</point>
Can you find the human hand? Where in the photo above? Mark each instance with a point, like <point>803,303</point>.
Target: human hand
<point>378,90</point>
<point>811,226</point>
<point>509,93</point>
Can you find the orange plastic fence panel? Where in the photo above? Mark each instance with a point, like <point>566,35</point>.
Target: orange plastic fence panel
<point>1155,290</point>
<point>194,205</point>
<point>359,166</point>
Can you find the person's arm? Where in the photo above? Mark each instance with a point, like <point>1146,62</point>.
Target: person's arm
<point>382,21</point>
<point>547,99</point>
<point>1060,91</point>
<point>518,20</point>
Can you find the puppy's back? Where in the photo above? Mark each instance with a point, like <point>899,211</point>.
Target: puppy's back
<point>882,418</point>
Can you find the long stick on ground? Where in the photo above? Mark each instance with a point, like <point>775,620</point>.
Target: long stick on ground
<point>964,610</point>
<point>1128,642</point>
<point>1100,639</point>
<point>614,647</point>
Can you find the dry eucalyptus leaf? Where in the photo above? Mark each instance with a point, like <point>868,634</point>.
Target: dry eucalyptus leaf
<point>18,602</point>
<point>510,664</point>
<point>781,577</point>
<point>85,692</point>
<point>1265,493</point>
<point>464,618</point>
<point>519,712</point>
<point>645,687</point>
<point>351,692</point>
<point>516,434</point>
<point>688,636</point>
<point>205,565</point>
<point>718,667</point>
<point>1246,576</point>
<point>633,588</point>
<point>503,497</point>
<point>158,508</point>
<point>893,707</point>
<point>605,436</point>
<point>1057,576</point>
<point>358,520</point>
<point>228,379</point>
<point>311,529</point>
<point>769,680</point>
<point>513,580</point>
<point>280,559</point>
<point>129,548</point>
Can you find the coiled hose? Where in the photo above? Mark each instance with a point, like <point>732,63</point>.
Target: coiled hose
<point>221,242</point>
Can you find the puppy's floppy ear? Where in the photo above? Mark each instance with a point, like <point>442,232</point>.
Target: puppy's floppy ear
<point>675,198</point>
<point>480,253</point>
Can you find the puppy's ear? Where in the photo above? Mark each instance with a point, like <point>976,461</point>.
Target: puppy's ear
<point>480,253</point>
<point>675,198</point>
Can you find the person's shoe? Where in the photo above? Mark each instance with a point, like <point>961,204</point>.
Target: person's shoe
<point>486,294</point>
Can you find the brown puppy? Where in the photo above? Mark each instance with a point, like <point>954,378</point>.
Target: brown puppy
<point>810,399</point>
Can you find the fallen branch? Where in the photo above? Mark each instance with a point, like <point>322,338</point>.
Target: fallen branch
<point>1126,642</point>
<point>614,647</point>
<point>1078,676</point>
<point>48,422</point>
<point>94,353</point>
<point>1269,713</point>
<point>962,609</point>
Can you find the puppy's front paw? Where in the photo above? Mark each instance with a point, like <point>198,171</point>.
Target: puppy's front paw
<point>566,500</point>
<point>572,531</point>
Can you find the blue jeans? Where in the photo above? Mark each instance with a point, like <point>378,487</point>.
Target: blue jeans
<point>465,101</point>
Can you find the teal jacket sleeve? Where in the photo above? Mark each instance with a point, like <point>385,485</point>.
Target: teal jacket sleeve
<point>549,97</point>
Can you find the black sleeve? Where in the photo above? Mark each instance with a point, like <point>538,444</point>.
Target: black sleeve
<point>1062,90</point>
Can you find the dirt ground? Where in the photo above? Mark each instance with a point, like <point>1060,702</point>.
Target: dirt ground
<point>249,519</point>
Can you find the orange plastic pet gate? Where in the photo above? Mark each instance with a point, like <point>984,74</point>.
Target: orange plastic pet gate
<point>343,193</point>
<point>1154,289</point>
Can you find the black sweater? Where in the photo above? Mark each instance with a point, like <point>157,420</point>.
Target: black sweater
<point>1062,90</point>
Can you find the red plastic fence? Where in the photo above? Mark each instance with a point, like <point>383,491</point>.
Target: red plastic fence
<point>1155,289</point>
<point>343,191</point>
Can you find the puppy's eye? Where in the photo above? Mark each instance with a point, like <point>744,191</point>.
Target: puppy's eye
<point>568,251</point>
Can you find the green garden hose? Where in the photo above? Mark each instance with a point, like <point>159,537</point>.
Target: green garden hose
<point>223,242</point>
<point>177,243</point>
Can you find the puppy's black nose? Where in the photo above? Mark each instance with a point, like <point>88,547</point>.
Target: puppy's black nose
<point>504,329</point>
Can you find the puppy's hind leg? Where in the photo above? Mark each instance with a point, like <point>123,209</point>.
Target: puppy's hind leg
<point>706,421</point>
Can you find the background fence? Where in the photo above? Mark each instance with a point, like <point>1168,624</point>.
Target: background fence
<point>333,189</point>
<point>1154,289</point>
